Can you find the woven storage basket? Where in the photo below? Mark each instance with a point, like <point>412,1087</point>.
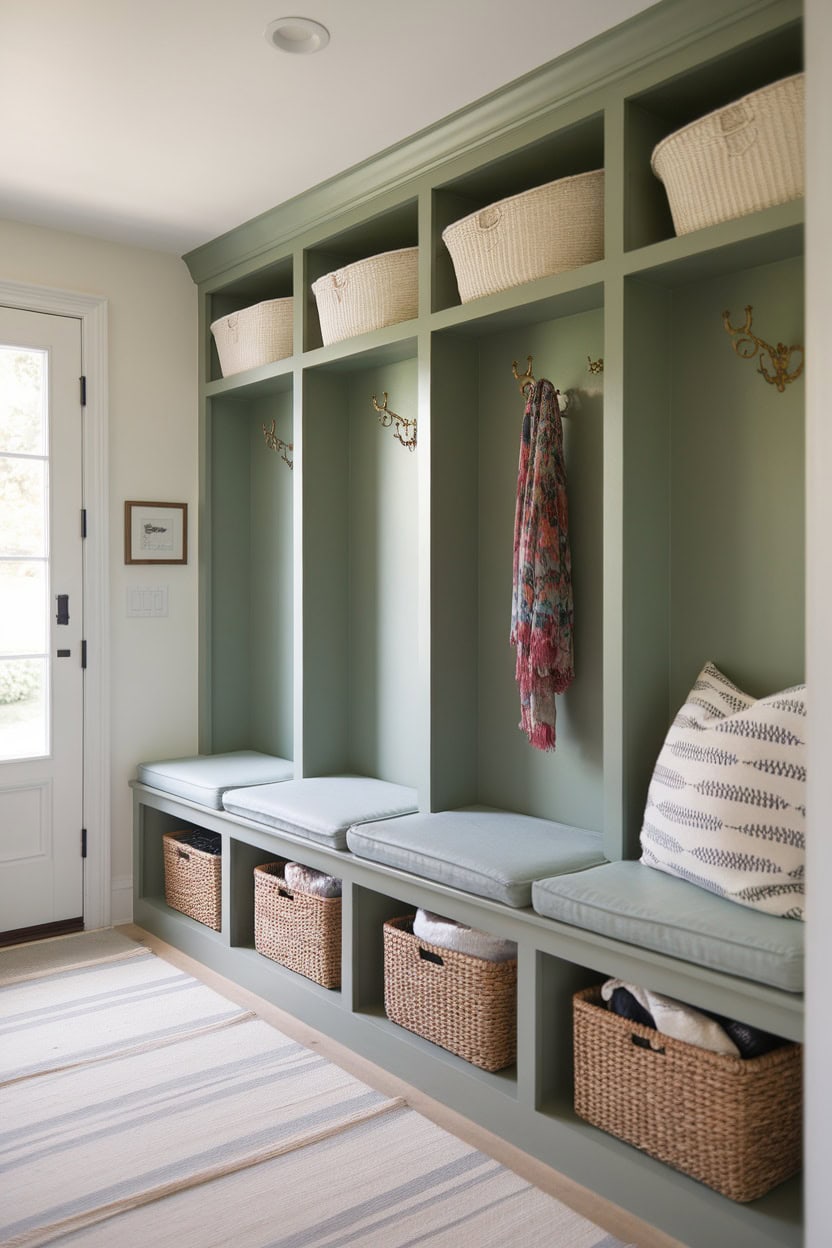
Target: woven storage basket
<point>299,930</point>
<point>545,230</point>
<point>255,335</point>
<point>369,294</point>
<point>734,1125</point>
<point>465,1004</point>
<point>193,876</point>
<point>739,159</point>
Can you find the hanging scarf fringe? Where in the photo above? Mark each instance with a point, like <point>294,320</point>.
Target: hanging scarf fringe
<point>542,615</point>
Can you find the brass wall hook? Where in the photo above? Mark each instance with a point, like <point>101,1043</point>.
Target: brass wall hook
<point>399,424</point>
<point>523,379</point>
<point>274,443</point>
<point>528,379</point>
<point>747,345</point>
<point>594,366</point>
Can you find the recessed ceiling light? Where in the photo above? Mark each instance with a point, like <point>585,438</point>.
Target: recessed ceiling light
<point>297,34</point>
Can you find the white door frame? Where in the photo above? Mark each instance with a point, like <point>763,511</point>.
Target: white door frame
<point>91,310</point>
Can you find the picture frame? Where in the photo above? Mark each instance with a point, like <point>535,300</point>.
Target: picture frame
<point>155,532</point>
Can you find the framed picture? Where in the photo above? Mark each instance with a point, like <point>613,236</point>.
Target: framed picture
<point>155,532</point>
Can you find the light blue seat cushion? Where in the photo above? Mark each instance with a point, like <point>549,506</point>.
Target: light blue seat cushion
<point>204,779</point>
<point>321,808</point>
<point>643,907</point>
<point>488,852</point>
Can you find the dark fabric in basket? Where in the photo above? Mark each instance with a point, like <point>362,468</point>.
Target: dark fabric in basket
<point>750,1041</point>
<point>208,842</point>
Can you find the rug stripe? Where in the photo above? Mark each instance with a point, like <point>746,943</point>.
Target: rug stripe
<point>29,1236</point>
<point>156,1040</point>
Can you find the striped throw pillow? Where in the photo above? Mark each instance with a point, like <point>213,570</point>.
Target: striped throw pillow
<point>726,807</point>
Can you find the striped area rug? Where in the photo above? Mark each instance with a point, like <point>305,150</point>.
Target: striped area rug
<point>139,1107</point>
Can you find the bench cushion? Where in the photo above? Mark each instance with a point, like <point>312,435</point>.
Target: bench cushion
<point>204,779</point>
<point>488,852</point>
<point>632,903</point>
<point>321,808</point>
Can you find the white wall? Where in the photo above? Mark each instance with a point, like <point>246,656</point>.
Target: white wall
<point>819,620</point>
<point>152,328</point>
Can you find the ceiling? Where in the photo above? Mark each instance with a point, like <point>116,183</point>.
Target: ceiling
<point>163,123</point>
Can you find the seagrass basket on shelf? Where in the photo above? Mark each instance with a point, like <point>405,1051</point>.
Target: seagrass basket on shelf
<point>733,1124</point>
<point>738,159</point>
<point>465,1004</point>
<point>193,875</point>
<point>298,929</point>
<point>537,233</point>
<point>260,334</point>
<point>368,294</point>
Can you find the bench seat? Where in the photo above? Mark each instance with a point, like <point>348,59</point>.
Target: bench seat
<point>205,778</point>
<point>321,808</point>
<point>491,853</point>
<point>639,906</point>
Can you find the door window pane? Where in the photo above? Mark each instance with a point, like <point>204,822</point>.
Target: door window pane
<point>22,401</point>
<point>24,729</point>
<point>22,506</point>
<point>23,607</point>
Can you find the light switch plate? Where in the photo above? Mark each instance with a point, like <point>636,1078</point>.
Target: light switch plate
<point>143,600</point>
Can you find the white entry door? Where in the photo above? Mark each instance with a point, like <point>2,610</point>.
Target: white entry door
<point>41,620</point>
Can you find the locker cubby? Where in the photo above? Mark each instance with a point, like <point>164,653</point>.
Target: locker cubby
<point>480,756</point>
<point>572,149</point>
<point>667,106</point>
<point>360,550</point>
<point>714,571</point>
<point>272,281</point>
<point>250,561</point>
<point>390,230</point>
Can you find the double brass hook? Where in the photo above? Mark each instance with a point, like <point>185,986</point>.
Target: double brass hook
<point>274,443</point>
<point>747,345</point>
<point>399,424</point>
<point>527,379</point>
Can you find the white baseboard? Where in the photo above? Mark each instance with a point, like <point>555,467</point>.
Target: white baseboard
<point>122,894</point>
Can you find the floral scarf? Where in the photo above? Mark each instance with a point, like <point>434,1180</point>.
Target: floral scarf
<point>541,609</point>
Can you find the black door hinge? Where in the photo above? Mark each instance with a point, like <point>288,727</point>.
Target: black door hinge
<point>83,842</point>
<point>83,654</point>
<point>83,522</point>
<point>83,384</point>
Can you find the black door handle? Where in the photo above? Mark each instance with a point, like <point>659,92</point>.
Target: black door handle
<point>63,609</point>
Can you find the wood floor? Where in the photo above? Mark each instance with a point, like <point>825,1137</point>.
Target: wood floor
<point>610,1217</point>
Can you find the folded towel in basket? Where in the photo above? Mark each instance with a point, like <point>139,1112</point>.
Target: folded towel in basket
<point>448,934</point>
<point>305,880</point>
<point>682,1022</point>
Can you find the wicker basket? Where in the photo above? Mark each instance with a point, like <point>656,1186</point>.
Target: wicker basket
<point>734,1125</point>
<point>368,294</point>
<point>255,335</point>
<point>739,159</point>
<point>193,875</point>
<point>545,230</point>
<point>465,1004</point>
<point>299,930</point>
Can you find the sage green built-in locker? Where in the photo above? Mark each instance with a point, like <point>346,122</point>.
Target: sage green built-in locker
<point>251,582</point>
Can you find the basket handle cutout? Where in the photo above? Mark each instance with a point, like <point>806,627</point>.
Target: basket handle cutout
<point>738,130</point>
<point>641,1042</point>
<point>183,854</point>
<point>428,956</point>
<point>284,892</point>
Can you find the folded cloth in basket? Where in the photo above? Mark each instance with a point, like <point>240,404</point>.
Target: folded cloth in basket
<point>306,880</point>
<point>448,934</point>
<point>682,1022</point>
